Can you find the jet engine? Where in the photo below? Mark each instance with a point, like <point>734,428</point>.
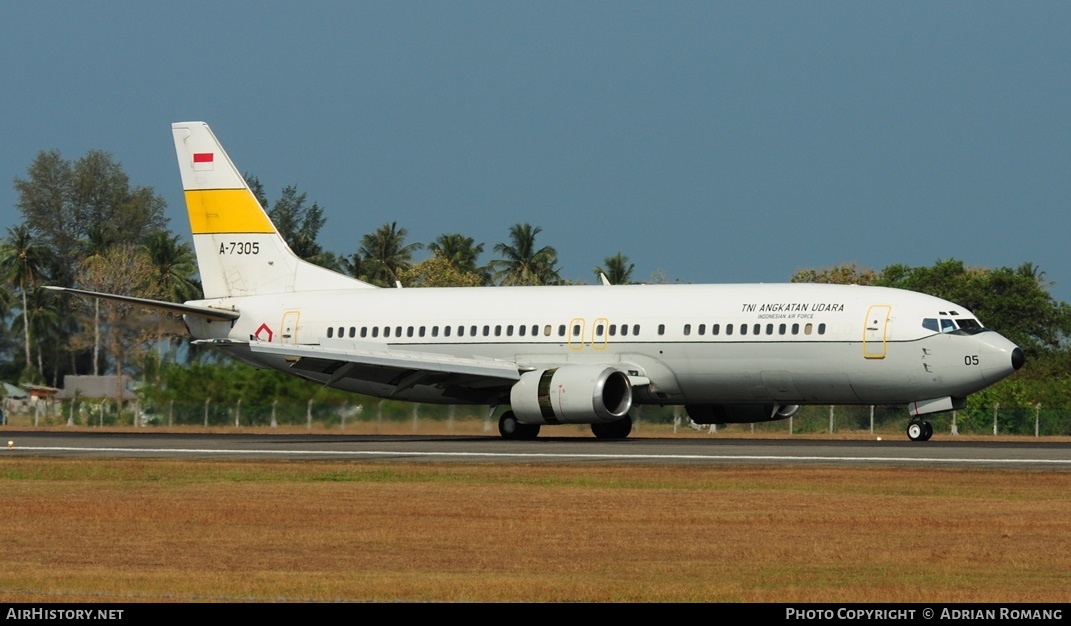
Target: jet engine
<point>574,394</point>
<point>739,413</point>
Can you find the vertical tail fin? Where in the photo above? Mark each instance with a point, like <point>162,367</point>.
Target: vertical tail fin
<point>239,251</point>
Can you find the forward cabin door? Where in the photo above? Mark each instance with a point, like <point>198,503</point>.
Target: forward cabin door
<point>876,331</point>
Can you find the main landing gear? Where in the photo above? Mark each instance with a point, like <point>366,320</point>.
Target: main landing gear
<point>919,430</point>
<point>613,430</point>
<point>510,428</point>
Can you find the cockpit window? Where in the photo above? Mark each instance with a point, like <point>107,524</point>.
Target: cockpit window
<point>945,325</point>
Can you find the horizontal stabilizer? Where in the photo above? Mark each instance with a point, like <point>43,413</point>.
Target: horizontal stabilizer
<point>203,312</point>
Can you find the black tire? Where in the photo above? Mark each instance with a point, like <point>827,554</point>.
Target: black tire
<point>613,430</point>
<point>929,431</point>
<point>510,428</point>
<point>916,430</point>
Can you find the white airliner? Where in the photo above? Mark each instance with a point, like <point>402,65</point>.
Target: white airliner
<point>569,354</point>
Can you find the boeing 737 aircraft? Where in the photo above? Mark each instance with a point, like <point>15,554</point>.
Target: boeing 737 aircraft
<point>569,354</point>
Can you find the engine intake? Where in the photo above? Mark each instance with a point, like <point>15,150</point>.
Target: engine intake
<point>575,394</point>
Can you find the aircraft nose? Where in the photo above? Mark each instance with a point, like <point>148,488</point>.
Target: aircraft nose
<point>1018,358</point>
<point>1000,358</point>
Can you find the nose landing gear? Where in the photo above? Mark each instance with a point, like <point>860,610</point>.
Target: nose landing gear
<point>919,430</point>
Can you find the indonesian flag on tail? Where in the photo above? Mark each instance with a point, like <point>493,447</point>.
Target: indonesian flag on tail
<point>203,161</point>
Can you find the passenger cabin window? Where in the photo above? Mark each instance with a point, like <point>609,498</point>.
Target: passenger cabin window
<point>330,332</point>
<point>687,329</point>
<point>661,329</point>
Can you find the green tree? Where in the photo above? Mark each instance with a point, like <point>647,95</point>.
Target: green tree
<point>1012,301</point>
<point>103,199</point>
<point>46,201</point>
<point>384,254</point>
<point>258,190</point>
<point>616,269</point>
<point>438,271</point>
<point>298,223</point>
<point>522,263</point>
<point>844,274</point>
<point>175,265</point>
<point>41,318</point>
<point>461,252</point>
<point>25,264</point>
<point>123,269</point>
<point>352,265</point>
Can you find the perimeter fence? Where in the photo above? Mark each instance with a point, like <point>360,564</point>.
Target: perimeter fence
<point>366,414</point>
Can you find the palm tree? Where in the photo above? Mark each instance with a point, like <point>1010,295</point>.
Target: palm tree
<point>42,314</point>
<point>616,268</point>
<point>521,262</point>
<point>460,252</point>
<point>176,266</point>
<point>352,265</point>
<point>385,253</point>
<point>24,264</point>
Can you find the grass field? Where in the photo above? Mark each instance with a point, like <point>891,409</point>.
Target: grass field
<point>163,530</point>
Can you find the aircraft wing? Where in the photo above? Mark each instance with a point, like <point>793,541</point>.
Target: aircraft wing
<point>402,368</point>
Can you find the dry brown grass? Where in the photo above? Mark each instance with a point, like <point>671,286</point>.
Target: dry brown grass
<point>158,530</point>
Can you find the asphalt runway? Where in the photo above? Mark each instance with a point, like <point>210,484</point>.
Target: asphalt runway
<point>551,450</point>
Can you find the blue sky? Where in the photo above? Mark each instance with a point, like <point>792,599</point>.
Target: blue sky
<point>709,141</point>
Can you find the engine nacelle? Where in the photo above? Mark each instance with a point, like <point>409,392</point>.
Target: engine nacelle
<point>574,394</point>
<point>739,413</point>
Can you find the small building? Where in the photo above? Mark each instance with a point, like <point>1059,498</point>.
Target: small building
<point>96,388</point>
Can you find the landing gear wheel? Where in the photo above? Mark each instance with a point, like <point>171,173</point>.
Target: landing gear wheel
<point>919,430</point>
<point>510,428</point>
<point>613,430</point>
